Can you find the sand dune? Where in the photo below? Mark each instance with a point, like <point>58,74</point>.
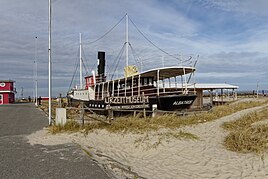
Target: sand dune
<point>153,156</point>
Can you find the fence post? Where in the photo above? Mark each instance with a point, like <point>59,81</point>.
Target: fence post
<point>110,111</point>
<point>144,110</point>
<point>82,112</point>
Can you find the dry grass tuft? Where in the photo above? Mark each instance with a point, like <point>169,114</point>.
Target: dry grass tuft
<point>70,113</point>
<point>246,121</point>
<point>245,137</point>
<point>243,141</point>
<point>70,126</point>
<point>140,125</point>
<point>252,139</point>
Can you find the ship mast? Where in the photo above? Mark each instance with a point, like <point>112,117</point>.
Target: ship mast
<point>127,40</point>
<point>80,57</point>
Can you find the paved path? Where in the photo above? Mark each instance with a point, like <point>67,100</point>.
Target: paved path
<point>18,159</point>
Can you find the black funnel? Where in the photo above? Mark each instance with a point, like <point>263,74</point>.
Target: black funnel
<point>101,63</point>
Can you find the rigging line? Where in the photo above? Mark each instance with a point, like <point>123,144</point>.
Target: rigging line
<point>75,69</point>
<point>138,60</point>
<point>188,61</point>
<point>119,56</point>
<point>152,42</point>
<point>108,67</point>
<point>86,65</point>
<point>117,59</point>
<point>108,71</point>
<point>94,66</point>
<point>73,76</point>
<point>108,31</point>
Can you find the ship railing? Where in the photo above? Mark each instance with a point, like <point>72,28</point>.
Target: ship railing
<point>147,90</point>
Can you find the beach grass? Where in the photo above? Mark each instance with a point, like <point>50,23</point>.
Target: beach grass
<point>170,121</point>
<point>246,135</point>
<point>70,113</point>
<point>173,121</point>
<point>70,126</point>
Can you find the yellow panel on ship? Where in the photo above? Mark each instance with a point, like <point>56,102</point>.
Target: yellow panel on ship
<point>130,71</point>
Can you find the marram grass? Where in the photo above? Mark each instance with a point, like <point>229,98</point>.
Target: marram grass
<point>244,136</point>
<point>140,125</point>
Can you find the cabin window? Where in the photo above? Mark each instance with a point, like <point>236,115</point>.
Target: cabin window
<point>142,81</point>
<point>128,84</point>
<point>135,82</point>
<point>150,81</point>
<point>145,81</point>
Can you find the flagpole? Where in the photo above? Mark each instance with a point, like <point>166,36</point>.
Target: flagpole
<point>49,62</point>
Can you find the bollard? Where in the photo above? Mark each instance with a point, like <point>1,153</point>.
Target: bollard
<point>61,116</point>
<point>154,108</point>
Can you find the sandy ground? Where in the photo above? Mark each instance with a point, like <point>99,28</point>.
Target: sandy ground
<point>152,155</point>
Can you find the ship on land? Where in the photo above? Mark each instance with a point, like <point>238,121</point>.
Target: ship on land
<point>163,88</point>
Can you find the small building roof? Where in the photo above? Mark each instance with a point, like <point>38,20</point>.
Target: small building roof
<point>209,86</point>
<point>5,81</point>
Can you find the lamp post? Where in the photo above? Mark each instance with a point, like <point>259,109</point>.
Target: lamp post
<point>36,73</point>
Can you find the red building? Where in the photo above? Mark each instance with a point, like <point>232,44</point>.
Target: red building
<point>7,91</point>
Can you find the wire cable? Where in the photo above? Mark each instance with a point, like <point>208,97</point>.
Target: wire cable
<point>118,59</point>
<point>107,31</point>
<point>138,59</point>
<point>86,64</point>
<point>152,42</point>
<point>75,70</point>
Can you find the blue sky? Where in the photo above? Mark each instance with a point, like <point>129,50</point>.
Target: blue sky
<point>230,37</point>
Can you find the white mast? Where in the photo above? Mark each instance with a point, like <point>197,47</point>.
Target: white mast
<point>33,77</point>
<point>126,40</point>
<point>36,73</point>
<point>49,62</point>
<point>81,78</point>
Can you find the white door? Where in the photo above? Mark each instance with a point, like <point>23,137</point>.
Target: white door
<point>1,99</point>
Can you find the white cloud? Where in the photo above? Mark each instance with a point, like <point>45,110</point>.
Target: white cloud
<point>258,7</point>
<point>174,30</point>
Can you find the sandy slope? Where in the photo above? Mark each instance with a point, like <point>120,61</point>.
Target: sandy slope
<point>152,156</point>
